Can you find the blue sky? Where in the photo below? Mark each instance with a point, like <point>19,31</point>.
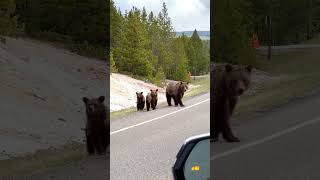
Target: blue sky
<point>186,15</point>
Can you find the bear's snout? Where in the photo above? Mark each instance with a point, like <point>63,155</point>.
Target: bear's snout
<point>240,91</point>
<point>91,108</point>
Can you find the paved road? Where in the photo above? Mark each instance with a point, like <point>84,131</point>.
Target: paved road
<point>148,151</point>
<point>281,144</point>
<point>287,48</point>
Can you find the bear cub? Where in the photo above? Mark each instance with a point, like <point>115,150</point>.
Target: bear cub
<point>152,99</point>
<point>97,137</point>
<point>140,101</point>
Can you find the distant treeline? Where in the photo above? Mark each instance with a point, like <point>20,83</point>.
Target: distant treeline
<point>145,45</point>
<point>293,21</point>
<point>82,23</point>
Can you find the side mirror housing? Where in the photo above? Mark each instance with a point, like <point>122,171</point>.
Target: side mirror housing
<point>193,159</point>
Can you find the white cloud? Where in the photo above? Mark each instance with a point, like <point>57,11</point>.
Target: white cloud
<point>185,14</point>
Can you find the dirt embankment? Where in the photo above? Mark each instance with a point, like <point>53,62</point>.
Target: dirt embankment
<point>124,88</point>
<point>41,90</point>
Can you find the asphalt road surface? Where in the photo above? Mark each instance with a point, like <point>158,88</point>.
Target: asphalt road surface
<point>287,48</point>
<point>144,144</point>
<point>281,144</point>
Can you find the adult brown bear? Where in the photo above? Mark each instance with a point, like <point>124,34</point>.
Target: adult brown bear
<point>176,91</point>
<point>152,99</point>
<point>227,84</point>
<point>97,127</point>
<point>140,101</point>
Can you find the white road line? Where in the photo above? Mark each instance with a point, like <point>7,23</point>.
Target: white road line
<point>157,118</point>
<point>268,138</point>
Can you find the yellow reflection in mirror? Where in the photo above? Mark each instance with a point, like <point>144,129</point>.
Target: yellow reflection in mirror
<point>195,168</point>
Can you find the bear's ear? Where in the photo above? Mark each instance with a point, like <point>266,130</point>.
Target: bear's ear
<point>137,93</point>
<point>150,90</point>
<point>101,99</point>
<point>85,100</point>
<point>249,68</point>
<point>141,93</point>
<point>156,90</point>
<point>228,68</point>
<point>181,82</point>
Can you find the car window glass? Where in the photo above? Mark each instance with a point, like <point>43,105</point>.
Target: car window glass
<point>197,165</point>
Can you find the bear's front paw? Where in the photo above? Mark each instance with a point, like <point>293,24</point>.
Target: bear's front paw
<point>232,139</point>
<point>214,139</point>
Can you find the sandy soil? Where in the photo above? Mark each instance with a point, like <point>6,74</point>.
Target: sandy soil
<point>41,90</point>
<point>124,88</point>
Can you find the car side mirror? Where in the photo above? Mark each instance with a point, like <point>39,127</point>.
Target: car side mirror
<point>193,159</point>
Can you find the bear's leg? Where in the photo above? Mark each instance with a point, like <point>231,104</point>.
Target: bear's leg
<point>148,106</point>
<point>215,135</point>
<point>155,105</point>
<point>216,128</point>
<point>180,101</point>
<point>142,105</point>
<point>227,132</point>
<point>168,99</point>
<point>138,106</point>
<point>90,145</point>
<point>98,143</point>
<point>175,99</point>
<point>101,144</point>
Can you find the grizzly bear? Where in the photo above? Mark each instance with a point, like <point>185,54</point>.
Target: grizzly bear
<point>176,91</point>
<point>227,84</point>
<point>152,99</point>
<point>140,101</point>
<point>97,127</point>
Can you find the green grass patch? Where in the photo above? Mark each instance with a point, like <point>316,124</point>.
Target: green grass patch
<point>204,86</point>
<point>303,76</point>
<point>42,160</point>
<point>122,113</point>
<point>315,40</point>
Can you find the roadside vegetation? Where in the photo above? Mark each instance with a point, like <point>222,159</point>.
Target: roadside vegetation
<point>301,77</point>
<point>145,45</point>
<point>293,22</point>
<point>81,26</point>
<point>42,160</point>
<point>235,22</point>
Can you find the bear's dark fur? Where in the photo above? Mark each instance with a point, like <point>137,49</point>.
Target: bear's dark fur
<point>227,84</point>
<point>140,101</point>
<point>152,99</point>
<point>176,91</point>
<point>97,126</point>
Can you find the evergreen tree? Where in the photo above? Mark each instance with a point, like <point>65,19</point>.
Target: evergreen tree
<point>7,19</point>
<point>113,67</point>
